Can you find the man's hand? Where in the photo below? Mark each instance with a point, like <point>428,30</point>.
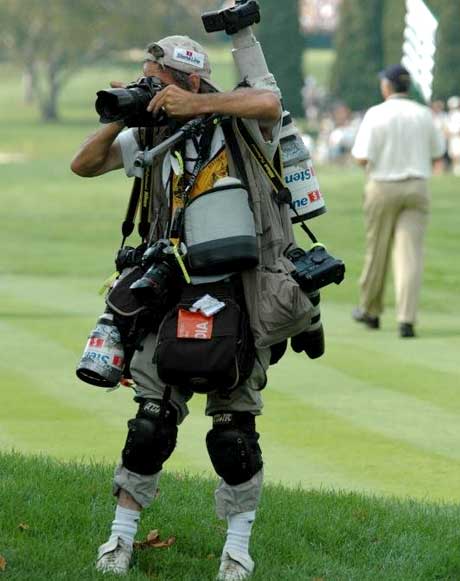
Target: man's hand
<point>175,102</point>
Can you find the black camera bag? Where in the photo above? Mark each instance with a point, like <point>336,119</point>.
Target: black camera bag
<point>222,362</point>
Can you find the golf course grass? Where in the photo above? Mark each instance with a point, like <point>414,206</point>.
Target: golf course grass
<point>376,414</point>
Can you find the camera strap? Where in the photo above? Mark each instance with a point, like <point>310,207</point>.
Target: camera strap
<point>235,150</point>
<point>185,186</point>
<point>274,173</point>
<point>146,135</point>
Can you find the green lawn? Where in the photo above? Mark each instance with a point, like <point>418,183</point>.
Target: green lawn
<point>375,414</point>
<point>54,515</point>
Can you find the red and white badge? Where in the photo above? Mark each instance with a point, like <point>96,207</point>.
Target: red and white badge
<point>193,325</point>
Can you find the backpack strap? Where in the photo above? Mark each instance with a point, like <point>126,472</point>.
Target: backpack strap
<point>235,151</point>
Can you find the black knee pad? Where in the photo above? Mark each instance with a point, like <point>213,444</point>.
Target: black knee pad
<point>151,438</point>
<point>233,447</point>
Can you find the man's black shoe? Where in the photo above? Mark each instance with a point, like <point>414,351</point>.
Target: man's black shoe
<point>406,330</point>
<point>361,317</point>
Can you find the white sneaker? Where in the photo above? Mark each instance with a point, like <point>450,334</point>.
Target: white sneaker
<point>231,570</point>
<point>114,557</point>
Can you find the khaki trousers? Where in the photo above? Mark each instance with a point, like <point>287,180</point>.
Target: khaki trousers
<point>396,215</point>
<point>247,397</point>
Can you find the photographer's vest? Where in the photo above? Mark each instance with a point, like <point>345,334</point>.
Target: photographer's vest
<point>278,309</point>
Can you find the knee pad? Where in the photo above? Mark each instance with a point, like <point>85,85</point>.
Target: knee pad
<point>151,438</point>
<point>233,447</point>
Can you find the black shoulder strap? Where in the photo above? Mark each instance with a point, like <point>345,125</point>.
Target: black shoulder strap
<point>141,189</point>
<point>234,150</point>
<point>146,212</point>
<point>127,225</point>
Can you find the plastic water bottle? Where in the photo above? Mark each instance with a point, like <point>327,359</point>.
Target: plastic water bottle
<point>103,358</point>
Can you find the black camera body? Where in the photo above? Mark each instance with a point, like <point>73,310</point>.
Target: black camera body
<point>245,13</point>
<point>129,104</point>
<point>128,257</point>
<point>159,278</point>
<point>315,268</point>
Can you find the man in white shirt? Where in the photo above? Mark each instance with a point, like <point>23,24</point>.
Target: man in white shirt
<point>397,142</point>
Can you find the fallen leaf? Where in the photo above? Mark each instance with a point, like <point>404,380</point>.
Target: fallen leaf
<point>319,579</point>
<point>153,541</point>
<point>211,556</point>
<point>2,563</point>
<point>23,526</point>
<point>125,382</point>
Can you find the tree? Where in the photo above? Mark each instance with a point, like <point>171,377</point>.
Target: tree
<point>52,41</point>
<point>394,12</point>
<point>358,60</point>
<point>283,45</point>
<point>446,80</point>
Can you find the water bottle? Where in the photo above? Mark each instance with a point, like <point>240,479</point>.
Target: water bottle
<point>103,358</point>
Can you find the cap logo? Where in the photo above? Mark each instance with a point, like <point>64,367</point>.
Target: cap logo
<point>189,57</point>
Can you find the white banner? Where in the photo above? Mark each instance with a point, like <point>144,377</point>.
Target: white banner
<point>419,45</point>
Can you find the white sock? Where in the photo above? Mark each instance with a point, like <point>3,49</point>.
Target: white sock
<point>125,524</point>
<point>238,536</point>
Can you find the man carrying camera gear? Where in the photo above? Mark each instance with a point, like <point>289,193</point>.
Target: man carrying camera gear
<point>180,175</point>
<point>397,142</point>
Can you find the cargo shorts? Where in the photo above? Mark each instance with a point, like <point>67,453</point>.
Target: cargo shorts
<point>245,398</point>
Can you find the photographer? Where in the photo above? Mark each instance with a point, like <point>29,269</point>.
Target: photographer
<point>182,66</point>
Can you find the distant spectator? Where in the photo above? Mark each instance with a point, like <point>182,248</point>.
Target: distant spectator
<point>453,133</point>
<point>440,118</point>
<point>342,136</point>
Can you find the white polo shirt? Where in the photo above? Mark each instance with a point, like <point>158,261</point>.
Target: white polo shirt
<point>399,139</point>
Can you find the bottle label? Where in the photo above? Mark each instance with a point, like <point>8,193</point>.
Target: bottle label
<point>303,185</point>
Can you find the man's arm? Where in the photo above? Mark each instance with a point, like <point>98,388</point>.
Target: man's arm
<point>362,147</point>
<point>247,103</point>
<point>99,154</point>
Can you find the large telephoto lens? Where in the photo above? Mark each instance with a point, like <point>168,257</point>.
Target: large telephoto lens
<point>118,104</point>
<point>130,103</point>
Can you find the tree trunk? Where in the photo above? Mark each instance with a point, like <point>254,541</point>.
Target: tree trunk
<point>29,83</point>
<point>49,98</point>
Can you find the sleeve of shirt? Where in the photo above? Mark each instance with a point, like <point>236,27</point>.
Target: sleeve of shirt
<point>268,147</point>
<point>362,147</point>
<point>129,145</point>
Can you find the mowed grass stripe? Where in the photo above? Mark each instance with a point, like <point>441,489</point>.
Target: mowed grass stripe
<point>57,295</point>
<point>315,447</point>
<point>414,379</point>
<point>370,406</point>
<point>34,421</point>
<point>437,346</point>
<point>76,420</point>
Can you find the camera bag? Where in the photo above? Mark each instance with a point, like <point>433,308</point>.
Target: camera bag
<point>219,230</point>
<point>218,352</point>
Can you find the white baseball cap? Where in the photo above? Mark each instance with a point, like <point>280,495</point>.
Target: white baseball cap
<point>182,54</point>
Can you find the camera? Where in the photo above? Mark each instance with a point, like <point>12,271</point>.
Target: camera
<point>245,13</point>
<point>128,257</point>
<point>161,271</point>
<point>315,268</point>
<point>129,104</point>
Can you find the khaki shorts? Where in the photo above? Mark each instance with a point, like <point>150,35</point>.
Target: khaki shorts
<point>245,398</point>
